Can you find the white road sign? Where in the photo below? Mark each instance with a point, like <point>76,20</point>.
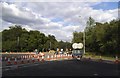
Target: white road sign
<point>77,45</point>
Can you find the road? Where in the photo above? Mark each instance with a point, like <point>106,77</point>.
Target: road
<point>65,68</point>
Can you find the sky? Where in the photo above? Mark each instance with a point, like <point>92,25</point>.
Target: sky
<point>59,18</point>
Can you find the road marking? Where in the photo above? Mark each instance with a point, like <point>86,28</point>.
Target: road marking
<point>6,69</point>
<point>95,74</point>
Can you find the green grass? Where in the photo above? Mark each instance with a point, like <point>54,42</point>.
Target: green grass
<point>94,56</point>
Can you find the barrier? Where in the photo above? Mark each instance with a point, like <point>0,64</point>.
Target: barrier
<point>116,60</point>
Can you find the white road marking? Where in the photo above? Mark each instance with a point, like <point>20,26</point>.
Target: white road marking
<point>95,74</point>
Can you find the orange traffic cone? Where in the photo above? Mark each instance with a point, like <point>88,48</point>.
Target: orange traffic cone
<point>28,60</point>
<point>15,62</point>
<point>43,59</point>
<point>5,58</point>
<point>48,57</point>
<point>100,59</point>
<point>0,59</point>
<point>89,58</point>
<point>33,60</point>
<point>8,62</point>
<point>116,60</point>
<point>22,62</point>
<point>38,58</point>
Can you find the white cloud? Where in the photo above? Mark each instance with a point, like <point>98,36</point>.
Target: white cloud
<point>38,16</point>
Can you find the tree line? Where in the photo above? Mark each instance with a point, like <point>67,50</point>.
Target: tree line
<point>18,39</point>
<point>100,38</point>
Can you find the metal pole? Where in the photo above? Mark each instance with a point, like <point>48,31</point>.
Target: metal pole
<point>83,38</point>
<point>50,45</point>
<point>18,42</point>
<point>84,41</point>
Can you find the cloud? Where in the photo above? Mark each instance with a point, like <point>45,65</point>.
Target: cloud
<point>68,16</point>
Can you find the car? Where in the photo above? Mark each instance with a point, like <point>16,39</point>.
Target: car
<point>77,54</point>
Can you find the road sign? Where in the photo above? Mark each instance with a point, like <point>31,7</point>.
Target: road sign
<point>77,45</point>
<point>61,49</point>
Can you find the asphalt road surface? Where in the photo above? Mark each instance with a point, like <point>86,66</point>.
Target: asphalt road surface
<point>65,68</point>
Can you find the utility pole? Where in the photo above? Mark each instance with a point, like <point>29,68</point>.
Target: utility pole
<point>83,38</point>
<point>18,43</point>
<point>50,45</point>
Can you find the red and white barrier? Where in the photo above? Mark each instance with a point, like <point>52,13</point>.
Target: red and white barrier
<point>8,62</point>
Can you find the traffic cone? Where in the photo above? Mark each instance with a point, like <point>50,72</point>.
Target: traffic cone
<point>68,56</point>
<point>65,55</point>
<point>5,58</point>
<point>20,57</point>
<point>15,62</point>
<point>8,62</point>
<point>28,60</point>
<point>12,58</point>
<point>29,56</point>
<point>43,59</point>
<point>33,60</point>
<point>23,57</point>
<point>116,60</point>
<point>38,58</point>
<point>58,56</point>
<point>52,57</point>
<point>89,58</point>
<point>22,62</point>
<point>55,57</point>
<point>48,57</point>
<point>0,59</point>
<point>100,58</point>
